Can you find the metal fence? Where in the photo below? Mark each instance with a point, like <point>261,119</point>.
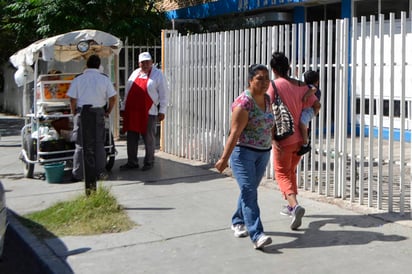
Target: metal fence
<point>361,138</point>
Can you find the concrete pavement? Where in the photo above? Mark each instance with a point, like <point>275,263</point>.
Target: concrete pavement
<point>183,209</point>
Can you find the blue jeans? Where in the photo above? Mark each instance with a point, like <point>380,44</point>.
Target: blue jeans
<point>248,167</point>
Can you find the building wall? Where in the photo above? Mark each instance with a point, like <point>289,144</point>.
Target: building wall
<point>11,96</point>
<point>168,5</point>
<point>348,8</point>
<point>225,8</point>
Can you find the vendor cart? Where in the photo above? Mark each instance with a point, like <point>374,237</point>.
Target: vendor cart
<point>46,135</point>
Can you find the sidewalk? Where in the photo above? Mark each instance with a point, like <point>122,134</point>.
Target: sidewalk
<point>183,209</point>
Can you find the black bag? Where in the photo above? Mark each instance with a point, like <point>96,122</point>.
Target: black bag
<point>283,119</point>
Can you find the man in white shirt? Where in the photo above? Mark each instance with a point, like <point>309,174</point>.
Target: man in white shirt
<point>91,90</point>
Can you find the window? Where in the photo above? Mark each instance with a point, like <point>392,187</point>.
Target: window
<point>386,105</point>
<point>323,12</point>
<point>376,7</point>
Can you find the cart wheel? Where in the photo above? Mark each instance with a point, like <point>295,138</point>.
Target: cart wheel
<point>109,163</point>
<point>110,152</point>
<point>28,146</point>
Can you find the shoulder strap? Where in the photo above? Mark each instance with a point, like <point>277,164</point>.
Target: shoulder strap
<point>274,88</point>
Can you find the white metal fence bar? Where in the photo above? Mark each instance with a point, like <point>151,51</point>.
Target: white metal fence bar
<point>402,116</point>
<point>344,55</point>
<point>320,125</point>
<point>380,112</point>
<point>354,69</point>
<point>362,108</point>
<point>338,109</point>
<point>371,107</point>
<point>304,49</point>
<point>391,110</point>
<point>313,62</point>
<point>329,122</point>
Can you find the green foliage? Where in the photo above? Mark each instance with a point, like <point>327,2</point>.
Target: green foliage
<point>26,21</point>
<point>86,215</point>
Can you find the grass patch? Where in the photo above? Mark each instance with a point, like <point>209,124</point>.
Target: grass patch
<point>97,213</point>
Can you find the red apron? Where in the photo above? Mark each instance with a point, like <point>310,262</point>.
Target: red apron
<point>138,104</point>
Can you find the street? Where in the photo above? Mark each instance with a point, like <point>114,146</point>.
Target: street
<point>17,256</point>
<point>182,210</point>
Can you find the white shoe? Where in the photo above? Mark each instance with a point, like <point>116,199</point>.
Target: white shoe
<point>239,230</point>
<point>262,241</point>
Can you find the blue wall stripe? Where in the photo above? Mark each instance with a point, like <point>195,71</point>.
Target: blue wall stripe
<point>222,7</point>
<point>385,133</point>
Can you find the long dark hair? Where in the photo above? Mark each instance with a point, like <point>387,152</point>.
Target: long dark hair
<point>280,64</point>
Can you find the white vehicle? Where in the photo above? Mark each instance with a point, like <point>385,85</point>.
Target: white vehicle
<point>46,137</point>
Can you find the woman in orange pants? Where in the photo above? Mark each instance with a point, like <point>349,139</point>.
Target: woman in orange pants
<point>285,157</point>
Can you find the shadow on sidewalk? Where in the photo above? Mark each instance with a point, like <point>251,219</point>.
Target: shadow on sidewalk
<point>164,172</point>
<point>11,126</point>
<point>315,236</point>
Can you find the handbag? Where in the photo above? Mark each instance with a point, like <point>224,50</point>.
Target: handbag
<point>283,127</point>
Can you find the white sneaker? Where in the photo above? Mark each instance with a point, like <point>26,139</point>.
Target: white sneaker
<point>262,241</point>
<point>297,215</point>
<point>239,230</point>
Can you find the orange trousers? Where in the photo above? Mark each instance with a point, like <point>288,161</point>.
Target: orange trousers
<point>285,162</point>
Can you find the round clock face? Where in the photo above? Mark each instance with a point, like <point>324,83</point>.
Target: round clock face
<point>83,46</point>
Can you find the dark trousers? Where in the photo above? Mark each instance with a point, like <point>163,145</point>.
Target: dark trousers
<point>99,152</point>
<point>149,139</point>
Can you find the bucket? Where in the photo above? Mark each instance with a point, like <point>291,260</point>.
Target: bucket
<point>54,172</point>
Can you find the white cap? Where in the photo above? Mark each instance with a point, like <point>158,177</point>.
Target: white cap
<point>144,56</point>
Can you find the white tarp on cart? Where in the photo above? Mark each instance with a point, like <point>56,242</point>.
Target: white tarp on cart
<point>63,48</point>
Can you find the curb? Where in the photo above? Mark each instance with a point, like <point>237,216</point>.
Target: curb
<point>49,261</point>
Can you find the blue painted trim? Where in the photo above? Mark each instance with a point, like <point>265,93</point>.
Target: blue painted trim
<point>223,7</point>
<point>385,133</point>
<point>346,8</point>
<point>205,10</point>
<point>299,15</point>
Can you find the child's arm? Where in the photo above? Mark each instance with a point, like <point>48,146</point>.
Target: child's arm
<point>311,91</point>
<point>316,107</point>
